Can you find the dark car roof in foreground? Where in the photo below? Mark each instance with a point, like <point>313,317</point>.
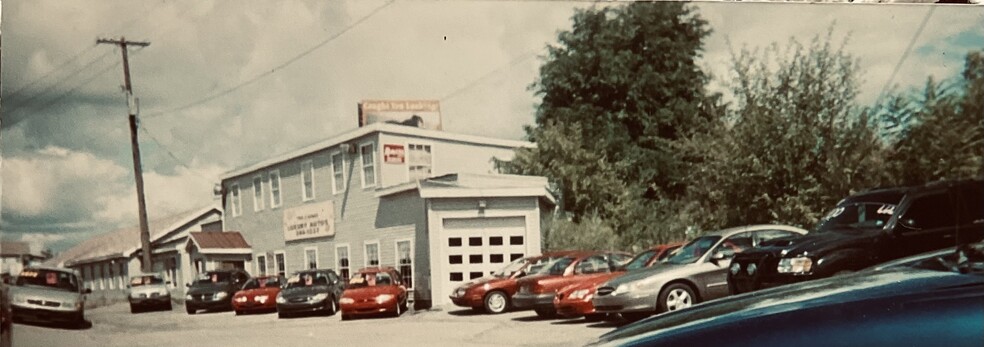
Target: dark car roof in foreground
<point>804,303</point>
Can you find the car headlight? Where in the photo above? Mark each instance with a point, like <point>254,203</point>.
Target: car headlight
<point>621,289</point>
<point>188,297</point>
<point>579,294</point>
<point>460,292</point>
<point>261,298</point>
<point>383,298</point>
<point>221,295</point>
<point>319,297</point>
<point>751,269</point>
<point>735,267</point>
<point>799,265</point>
<point>346,301</point>
<point>280,299</point>
<point>240,299</point>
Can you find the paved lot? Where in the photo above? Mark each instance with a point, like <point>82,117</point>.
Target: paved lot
<point>452,326</point>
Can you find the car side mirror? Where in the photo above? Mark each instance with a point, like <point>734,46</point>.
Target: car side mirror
<point>88,291</point>
<point>721,255</point>
<point>910,223</point>
<point>188,285</point>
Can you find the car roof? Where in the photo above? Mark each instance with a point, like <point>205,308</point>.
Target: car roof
<point>374,269</point>
<point>755,227</point>
<point>50,268</point>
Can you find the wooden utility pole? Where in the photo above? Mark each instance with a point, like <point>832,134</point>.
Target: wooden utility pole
<point>146,266</point>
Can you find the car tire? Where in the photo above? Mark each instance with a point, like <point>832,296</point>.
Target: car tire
<point>496,302</point>
<point>396,310</point>
<point>190,310</point>
<point>675,297</point>
<point>346,317</point>
<point>545,312</point>
<point>239,313</point>
<point>168,306</point>
<point>80,320</point>
<point>281,315</point>
<point>133,309</point>
<point>330,310</point>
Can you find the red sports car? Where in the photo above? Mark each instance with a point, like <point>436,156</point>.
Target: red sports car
<point>258,294</point>
<point>492,293</point>
<point>537,291</point>
<point>575,299</point>
<point>374,290</point>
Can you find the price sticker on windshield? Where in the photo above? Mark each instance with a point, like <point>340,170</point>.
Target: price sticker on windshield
<point>31,274</point>
<point>886,209</point>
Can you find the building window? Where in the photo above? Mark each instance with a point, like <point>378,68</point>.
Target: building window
<point>237,203</point>
<point>311,257</point>
<point>419,161</point>
<point>372,254</point>
<point>342,254</point>
<point>454,242</point>
<point>307,179</point>
<point>515,240</point>
<point>454,259</point>
<point>475,258</point>
<point>261,267</point>
<point>337,172</point>
<point>110,279</point>
<point>281,263</point>
<point>274,189</point>
<point>456,277</point>
<point>474,241</point>
<point>404,256</point>
<point>368,154</point>
<point>257,193</point>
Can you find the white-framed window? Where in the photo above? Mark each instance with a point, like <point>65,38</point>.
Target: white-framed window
<point>404,261</point>
<point>102,277</point>
<point>372,253</point>
<point>311,257</point>
<point>280,261</point>
<point>237,201</point>
<point>337,172</point>
<point>275,189</point>
<point>110,278</point>
<point>257,193</point>
<point>121,275</point>
<point>419,161</point>
<point>367,155</point>
<point>261,265</point>
<point>307,179</point>
<point>342,256</point>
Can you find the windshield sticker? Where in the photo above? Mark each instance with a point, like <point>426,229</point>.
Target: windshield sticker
<point>51,278</point>
<point>31,274</point>
<point>293,280</point>
<point>887,209</point>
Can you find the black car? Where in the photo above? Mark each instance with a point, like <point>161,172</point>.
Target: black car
<point>310,291</point>
<point>867,229</point>
<point>935,302</point>
<point>213,290</point>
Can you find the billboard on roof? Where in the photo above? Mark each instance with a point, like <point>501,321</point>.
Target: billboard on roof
<point>416,113</point>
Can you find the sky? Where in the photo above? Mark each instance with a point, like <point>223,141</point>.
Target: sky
<point>226,83</point>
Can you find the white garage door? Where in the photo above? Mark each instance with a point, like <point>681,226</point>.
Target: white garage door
<point>477,247</point>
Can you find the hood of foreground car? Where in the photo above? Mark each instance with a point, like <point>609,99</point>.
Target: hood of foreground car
<point>207,288</point>
<point>370,292</point>
<point>22,293</point>
<point>304,291</point>
<point>812,243</point>
<point>148,289</point>
<point>843,290</point>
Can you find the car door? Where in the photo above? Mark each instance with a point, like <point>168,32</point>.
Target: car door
<point>335,285</point>
<point>928,223</point>
<point>714,271</point>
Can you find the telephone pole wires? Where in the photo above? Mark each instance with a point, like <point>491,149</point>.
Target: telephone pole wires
<point>131,102</point>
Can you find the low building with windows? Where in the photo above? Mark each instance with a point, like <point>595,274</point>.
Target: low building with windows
<point>178,253</point>
<point>424,201</point>
<point>15,255</point>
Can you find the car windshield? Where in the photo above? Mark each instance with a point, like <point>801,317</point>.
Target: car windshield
<point>556,267</point>
<point>692,251</point>
<point>640,260</point>
<point>48,278</point>
<point>857,216</point>
<point>213,277</point>
<point>516,265</point>
<point>137,281</point>
<point>307,279</point>
<point>257,283</point>
<point>370,279</point>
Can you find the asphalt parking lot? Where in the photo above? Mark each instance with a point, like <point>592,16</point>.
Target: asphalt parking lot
<point>446,326</point>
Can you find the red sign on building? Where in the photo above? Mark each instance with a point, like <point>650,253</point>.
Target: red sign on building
<point>394,154</point>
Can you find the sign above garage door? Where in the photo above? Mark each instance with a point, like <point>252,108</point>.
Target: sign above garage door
<point>309,221</point>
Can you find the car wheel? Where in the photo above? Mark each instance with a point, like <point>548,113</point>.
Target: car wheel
<point>396,310</point>
<point>676,296</point>
<point>331,307</point>
<point>239,313</point>
<point>281,315</point>
<point>190,310</point>
<point>346,317</point>
<point>545,312</point>
<point>496,302</point>
<point>133,309</point>
<point>168,306</point>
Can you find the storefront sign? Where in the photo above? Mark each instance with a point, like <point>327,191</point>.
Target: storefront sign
<point>309,221</point>
<point>394,154</point>
<point>416,113</point>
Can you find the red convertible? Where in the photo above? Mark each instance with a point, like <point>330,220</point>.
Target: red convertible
<point>374,290</point>
<point>258,294</point>
<point>575,299</point>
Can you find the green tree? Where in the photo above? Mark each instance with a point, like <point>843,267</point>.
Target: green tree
<point>793,145</point>
<point>620,88</point>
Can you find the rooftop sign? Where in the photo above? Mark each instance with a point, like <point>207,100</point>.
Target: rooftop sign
<point>416,113</point>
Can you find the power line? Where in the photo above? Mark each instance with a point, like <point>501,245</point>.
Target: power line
<point>273,70</point>
<point>21,104</point>
<point>520,58</point>
<point>57,100</point>
<point>174,157</point>
<point>905,54</point>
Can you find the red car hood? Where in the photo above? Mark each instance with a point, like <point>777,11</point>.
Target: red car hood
<point>370,292</point>
<point>271,291</point>
<point>590,284</point>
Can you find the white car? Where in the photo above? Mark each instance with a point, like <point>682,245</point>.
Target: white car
<point>148,291</point>
<point>49,294</point>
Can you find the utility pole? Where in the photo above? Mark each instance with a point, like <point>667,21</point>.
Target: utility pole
<point>138,173</point>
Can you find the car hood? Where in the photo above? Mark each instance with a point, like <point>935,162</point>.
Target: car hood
<point>147,289</point>
<point>812,243</point>
<point>485,280</point>
<point>303,291</point>
<point>208,288</point>
<point>259,291</point>
<point>842,290</point>
<point>370,292</point>
<point>590,284</point>
<point>43,293</point>
<point>668,270</point>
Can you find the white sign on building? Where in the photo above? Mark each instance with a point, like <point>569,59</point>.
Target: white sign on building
<point>309,221</point>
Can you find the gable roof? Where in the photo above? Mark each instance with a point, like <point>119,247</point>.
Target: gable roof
<point>14,248</point>
<point>123,242</point>
<point>226,242</point>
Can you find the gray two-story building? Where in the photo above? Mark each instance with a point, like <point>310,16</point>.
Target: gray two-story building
<point>426,202</point>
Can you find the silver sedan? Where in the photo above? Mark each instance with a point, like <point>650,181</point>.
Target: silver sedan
<point>697,272</point>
